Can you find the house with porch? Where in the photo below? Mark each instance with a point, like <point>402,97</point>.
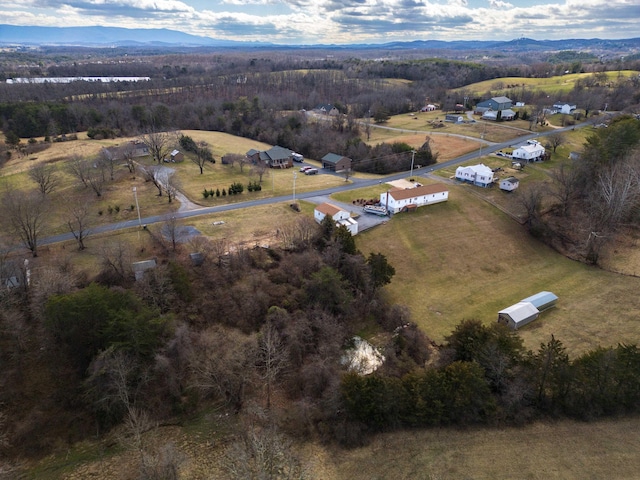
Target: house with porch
<point>327,109</point>
<point>479,175</point>
<point>406,199</point>
<point>275,157</point>
<point>532,151</point>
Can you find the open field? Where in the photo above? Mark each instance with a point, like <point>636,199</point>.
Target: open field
<point>567,450</point>
<point>465,259</point>
<point>553,85</point>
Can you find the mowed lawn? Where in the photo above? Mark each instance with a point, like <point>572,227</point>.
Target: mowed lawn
<point>465,259</point>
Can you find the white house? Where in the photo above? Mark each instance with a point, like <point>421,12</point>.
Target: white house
<point>506,115</point>
<point>480,175</point>
<point>429,108</point>
<point>531,152</point>
<point>340,216</point>
<point>454,118</point>
<point>399,199</point>
<point>509,184</point>
<point>564,108</point>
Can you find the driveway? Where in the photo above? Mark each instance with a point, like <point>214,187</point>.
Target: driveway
<point>365,220</point>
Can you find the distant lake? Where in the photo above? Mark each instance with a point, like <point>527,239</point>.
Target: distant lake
<point>76,79</point>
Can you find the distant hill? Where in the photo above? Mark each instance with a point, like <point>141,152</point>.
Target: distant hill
<point>139,37</point>
<point>104,36</point>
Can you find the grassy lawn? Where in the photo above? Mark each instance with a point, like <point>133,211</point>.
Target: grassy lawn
<point>465,259</point>
<point>556,85</point>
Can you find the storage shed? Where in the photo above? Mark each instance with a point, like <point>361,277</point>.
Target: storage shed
<point>518,315</point>
<point>542,300</point>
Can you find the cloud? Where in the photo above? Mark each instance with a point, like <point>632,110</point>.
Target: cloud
<point>499,4</point>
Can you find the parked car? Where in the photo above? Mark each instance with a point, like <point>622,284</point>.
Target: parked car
<point>305,168</point>
<point>311,171</point>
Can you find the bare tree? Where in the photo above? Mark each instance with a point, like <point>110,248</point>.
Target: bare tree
<point>232,158</point>
<point>171,230</point>
<point>116,259</point>
<point>531,199</point>
<point>556,139</point>
<point>565,186</point>
<point>45,175</point>
<point>201,156</point>
<point>96,178</point>
<point>78,223</point>
<point>272,357</point>
<point>152,174</point>
<point>26,214</point>
<point>79,168</point>
<point>169,183</point>
<point>127,152</point>
<point>158,143</point>
<point>259,169</point>
<point>108,160</point>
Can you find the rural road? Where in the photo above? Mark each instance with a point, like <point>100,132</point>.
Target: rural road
<point>192,210</point>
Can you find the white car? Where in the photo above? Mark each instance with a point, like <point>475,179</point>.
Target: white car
<point>305,168</point>
<point>311,171</point>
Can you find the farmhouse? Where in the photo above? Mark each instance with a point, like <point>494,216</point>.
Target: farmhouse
<point>495,104</point>
<point>531,152</point>
<point>275,157</point>
<point>565,108</point>
<point>404,199</point>
<point>509,184</point>
<point>479,175</point>
<point>336,163</point>
<point>340,216</point>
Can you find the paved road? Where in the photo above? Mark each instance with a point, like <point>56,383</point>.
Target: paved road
<point>354,184</point>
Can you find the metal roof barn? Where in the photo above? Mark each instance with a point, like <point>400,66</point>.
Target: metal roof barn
<point>542,300</point>
<point>518,315</point>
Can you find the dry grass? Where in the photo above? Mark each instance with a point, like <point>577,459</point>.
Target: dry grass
<point>465,259</point>
<point>563,450</point>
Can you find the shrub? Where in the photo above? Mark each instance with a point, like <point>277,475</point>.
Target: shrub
<point>205,193</point>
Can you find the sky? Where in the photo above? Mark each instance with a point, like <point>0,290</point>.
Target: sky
<point>293,22</point>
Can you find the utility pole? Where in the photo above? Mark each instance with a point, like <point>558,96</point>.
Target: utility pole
<point>135,195</point>
<point>295,175</point>
<point>413,157</point>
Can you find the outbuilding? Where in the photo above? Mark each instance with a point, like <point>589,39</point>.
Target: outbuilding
<point>542,300</point>
<point>518,315</point>
<point>336,163</point>
<point>454,118</point>
<point>509,184</point>
<point>339,215</point>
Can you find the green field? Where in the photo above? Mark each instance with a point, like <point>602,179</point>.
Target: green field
<point>556,85</point>
<point>465,259</point>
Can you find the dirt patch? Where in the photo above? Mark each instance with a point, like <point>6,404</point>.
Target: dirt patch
<point>447,147</point>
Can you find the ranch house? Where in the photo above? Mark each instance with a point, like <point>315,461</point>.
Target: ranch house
<point>399,199</point>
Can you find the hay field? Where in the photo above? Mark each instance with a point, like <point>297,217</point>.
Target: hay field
<point>557,85</point>
<point>466,259</point>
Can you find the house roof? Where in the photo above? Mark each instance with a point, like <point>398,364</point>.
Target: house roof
<point>175,152</point>
<point>278,153</point>
<point>531,148</point>
<point>405,193</point>
<point>327,107</point>
<point>480,168</point>
<point>520,311</point>
<point>329,209</point>
<point>333,158</point>
<point>252,152</point>
<point>501,99</point>
<point>512,180</point>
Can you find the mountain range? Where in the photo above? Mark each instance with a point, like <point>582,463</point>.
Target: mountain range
<point>139,37</point>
